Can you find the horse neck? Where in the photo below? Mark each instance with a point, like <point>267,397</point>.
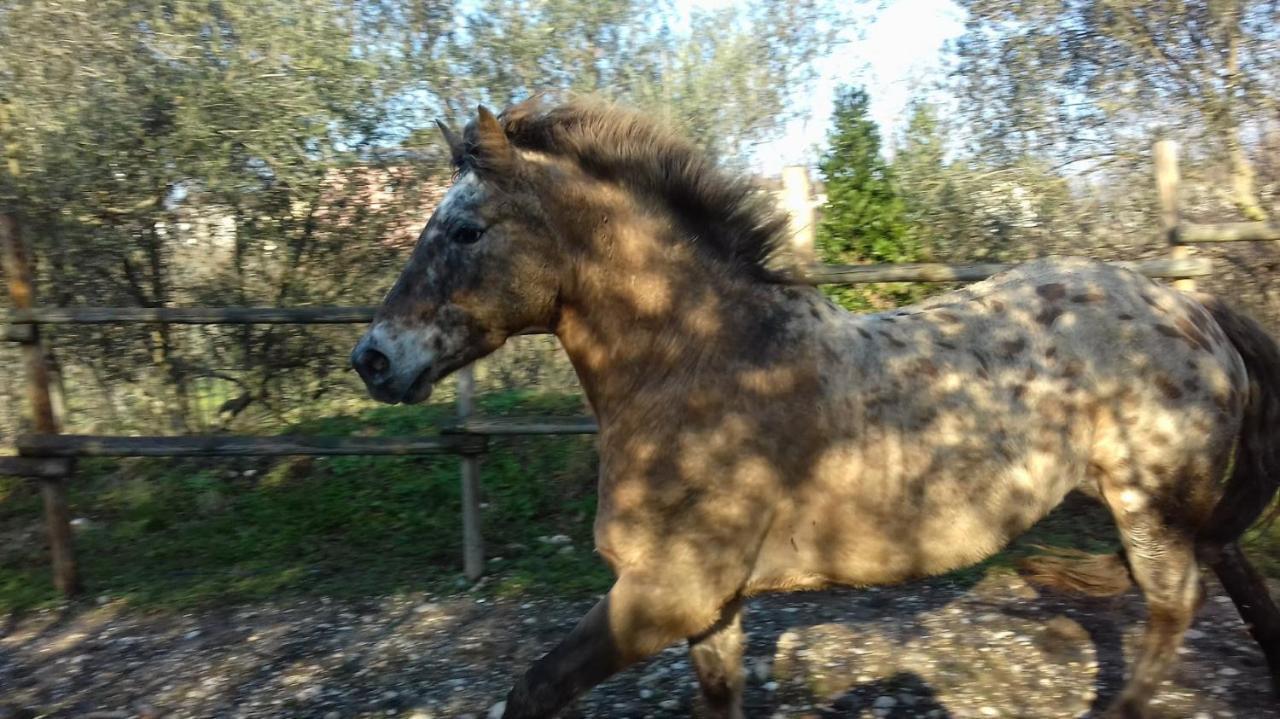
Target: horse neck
<point>647,314</point>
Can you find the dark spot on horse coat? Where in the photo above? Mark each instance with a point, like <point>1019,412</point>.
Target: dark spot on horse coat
<point>893,340</point>
<point>1124,316</point>
<point>1088,296</point>
<point>1053,291</point>
<point>814,313</point>
<point>1012,348</point>
<point>1072,369</point>
<point>946,345</point>
<point>774,324</point>
<point>1048,315</point>
<point>983,367</point>
<point>1224,401</point>
<point>1191,384</point>
<point>1168,387</point>
<point>1168,331</point>
<point>928,414</point>
<point>1053,408</point>
<point>865,334</point>
<point>1051,352</point>
<point>925,367</point>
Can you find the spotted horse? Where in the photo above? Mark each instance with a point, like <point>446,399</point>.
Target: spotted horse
<point>754,437</point>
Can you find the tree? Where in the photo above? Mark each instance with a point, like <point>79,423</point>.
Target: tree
<point>1083,84</point>
<point>964,208</point>
<point>927,190</point>
<point>728,79</point>
<point>138,119</point>
<point>863,219</point>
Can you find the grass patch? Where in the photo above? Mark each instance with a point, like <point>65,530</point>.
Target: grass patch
<point>179,534</point>
<point>1262,545</point>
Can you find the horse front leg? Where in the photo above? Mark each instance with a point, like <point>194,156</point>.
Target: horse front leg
<point>639,617</point>
<point>717,659</point>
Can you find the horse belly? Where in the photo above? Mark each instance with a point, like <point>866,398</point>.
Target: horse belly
<point>927,526</point>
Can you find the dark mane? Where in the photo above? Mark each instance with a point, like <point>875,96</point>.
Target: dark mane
<point>725,214</point>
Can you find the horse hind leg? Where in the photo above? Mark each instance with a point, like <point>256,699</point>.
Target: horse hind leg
<point>1162,560</point>
<point>717,660</point>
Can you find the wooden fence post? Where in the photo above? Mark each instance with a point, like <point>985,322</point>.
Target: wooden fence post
<point>797,199</point>
<point>1165,155</point>
<point>52,489</point>
<point>472,539</point>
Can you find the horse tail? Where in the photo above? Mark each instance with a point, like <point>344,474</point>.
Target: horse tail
<point>1071,570</point>
<point>1255,477</point>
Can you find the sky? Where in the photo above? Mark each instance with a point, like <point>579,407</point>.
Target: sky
<point>893,55</point>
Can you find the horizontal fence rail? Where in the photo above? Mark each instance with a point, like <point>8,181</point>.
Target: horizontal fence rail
<point>192,315</point>
<point>815,275</point>
<point>938,272</point>
<point>1188,233</point>
<point>35,467</point>
<point>78,445</point>
<point>525,426</point>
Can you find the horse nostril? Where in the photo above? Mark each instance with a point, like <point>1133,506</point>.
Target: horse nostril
<point>372,363</point>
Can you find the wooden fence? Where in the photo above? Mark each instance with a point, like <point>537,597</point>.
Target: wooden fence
<point>48,456</point>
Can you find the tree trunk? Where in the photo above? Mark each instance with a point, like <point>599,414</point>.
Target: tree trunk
<point>1243,190</point>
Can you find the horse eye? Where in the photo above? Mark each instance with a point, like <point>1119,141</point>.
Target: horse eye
<point>468,235</point>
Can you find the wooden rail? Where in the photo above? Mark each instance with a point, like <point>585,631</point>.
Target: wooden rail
<point>1187,233</point>
<point>524,426</point>
<point>817,275</point>
<point>35,467</point>
<point>73,445</point>
<point>862,274</point>
<point>192,315</point>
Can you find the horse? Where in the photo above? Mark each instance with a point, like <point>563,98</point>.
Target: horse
<point>756,437</point>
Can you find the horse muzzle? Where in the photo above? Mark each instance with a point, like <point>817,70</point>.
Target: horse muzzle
<point>388,375</point>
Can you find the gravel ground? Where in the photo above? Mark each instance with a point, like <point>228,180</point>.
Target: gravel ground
<point>995,649</point>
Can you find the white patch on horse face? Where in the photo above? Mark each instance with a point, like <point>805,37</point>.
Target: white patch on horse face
<point>461,195</point>
<point>409,351</point>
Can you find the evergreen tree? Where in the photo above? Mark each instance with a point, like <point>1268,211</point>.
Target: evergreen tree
<point>864,218</point>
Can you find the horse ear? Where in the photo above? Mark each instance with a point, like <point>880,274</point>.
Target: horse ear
<point>453,141</point>
<point>487,145</point>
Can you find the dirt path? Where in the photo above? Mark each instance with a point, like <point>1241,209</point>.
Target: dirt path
<point>996,649</point>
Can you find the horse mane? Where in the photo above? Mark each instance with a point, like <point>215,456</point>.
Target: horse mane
<point>723,213</point>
